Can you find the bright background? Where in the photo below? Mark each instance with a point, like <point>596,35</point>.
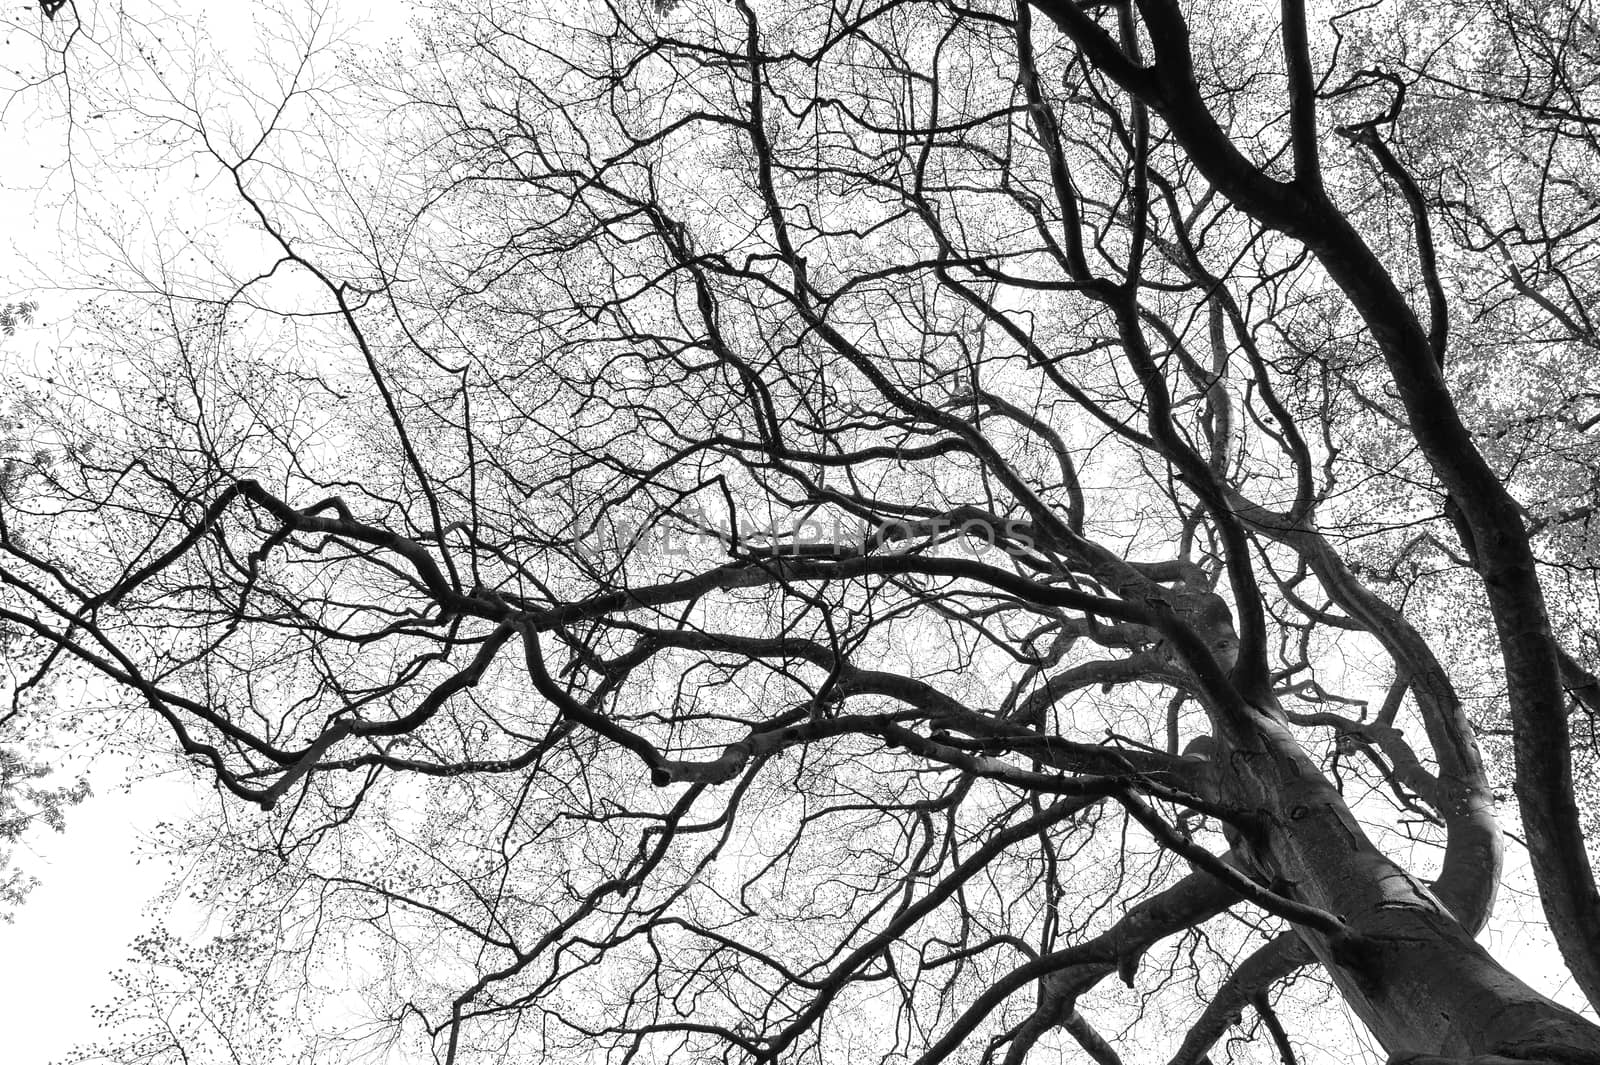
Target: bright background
<point>96,892</point>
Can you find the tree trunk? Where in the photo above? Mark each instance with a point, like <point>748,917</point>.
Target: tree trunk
<point>1414,974</point>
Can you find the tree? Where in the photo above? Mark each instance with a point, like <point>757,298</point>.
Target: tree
<point>786,533</point>
<point>25,805</point>
<point>15,314</point>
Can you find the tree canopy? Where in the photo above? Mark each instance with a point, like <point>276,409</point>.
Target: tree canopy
<point>904,531</point>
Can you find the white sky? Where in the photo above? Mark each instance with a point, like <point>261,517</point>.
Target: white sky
<point>93,893</point>
<point>95,896</point>
<point>92,900</point>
